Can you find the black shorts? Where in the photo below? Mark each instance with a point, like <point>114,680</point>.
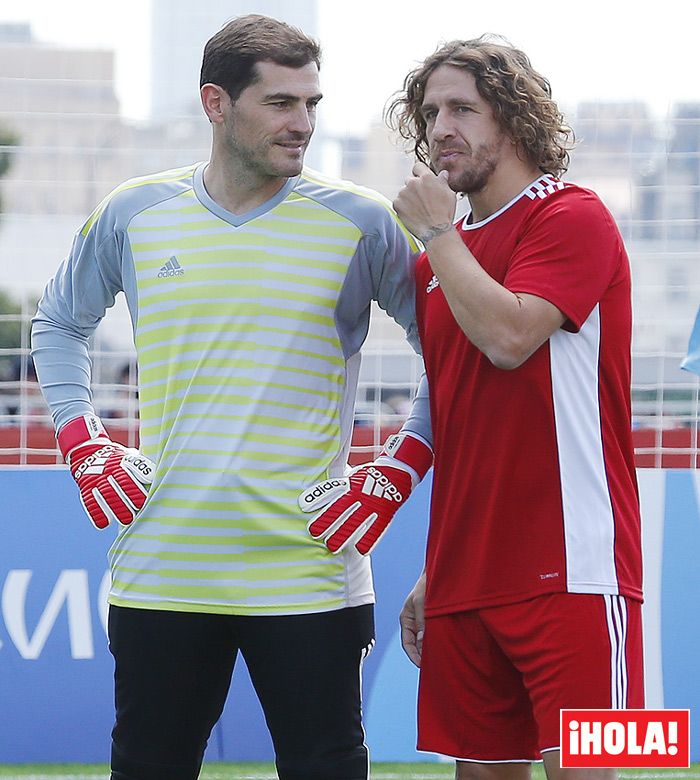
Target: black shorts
<point>173,672</point>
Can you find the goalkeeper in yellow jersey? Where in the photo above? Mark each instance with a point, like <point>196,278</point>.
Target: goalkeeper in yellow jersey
<point>249,280</point>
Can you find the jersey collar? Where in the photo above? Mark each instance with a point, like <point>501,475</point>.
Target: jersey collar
<point>237,219</point>
<point>540,184</point>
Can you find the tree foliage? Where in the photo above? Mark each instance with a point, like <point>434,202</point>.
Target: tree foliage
<point>7,140</point>
<point>10,333</point>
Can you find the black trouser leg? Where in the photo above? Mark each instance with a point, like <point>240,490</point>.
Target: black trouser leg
<point>306,672</point>
<point>172,674</point>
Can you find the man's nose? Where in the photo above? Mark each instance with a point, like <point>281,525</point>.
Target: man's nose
<point>442,126</point>
<point>302,121</point>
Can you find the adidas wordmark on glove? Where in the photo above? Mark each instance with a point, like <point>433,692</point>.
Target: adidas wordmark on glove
<point>358,508</point>
<point>113,480</point>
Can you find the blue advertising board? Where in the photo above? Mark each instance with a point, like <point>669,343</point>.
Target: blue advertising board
<point>56,670</point>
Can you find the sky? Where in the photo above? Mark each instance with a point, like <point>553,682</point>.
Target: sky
<point>597,49</point>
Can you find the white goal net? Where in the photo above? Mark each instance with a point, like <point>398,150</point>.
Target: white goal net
<point>64,145</point>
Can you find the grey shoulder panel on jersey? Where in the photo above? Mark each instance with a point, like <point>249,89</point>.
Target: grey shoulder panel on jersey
<point>133,196</point>
<point>382,268</point>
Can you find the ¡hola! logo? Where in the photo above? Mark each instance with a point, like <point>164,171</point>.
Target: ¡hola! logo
<point>625,738</point>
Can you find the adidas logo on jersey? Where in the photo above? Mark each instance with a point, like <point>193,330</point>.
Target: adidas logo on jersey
<point>432,284</point>
<point>378,484</point>
<point>171,268</point>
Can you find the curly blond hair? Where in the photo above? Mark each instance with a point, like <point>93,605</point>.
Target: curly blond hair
<point>520,98</point>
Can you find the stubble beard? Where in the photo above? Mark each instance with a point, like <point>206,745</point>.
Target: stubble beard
<point>476,170</point>
<point>475,179</point>
<point>258,160</point>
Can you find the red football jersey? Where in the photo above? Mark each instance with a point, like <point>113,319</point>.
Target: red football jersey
<point>534,487</point>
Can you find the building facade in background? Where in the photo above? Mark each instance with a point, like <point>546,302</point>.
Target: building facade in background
<point>60,106</point>
<point>179,30</point>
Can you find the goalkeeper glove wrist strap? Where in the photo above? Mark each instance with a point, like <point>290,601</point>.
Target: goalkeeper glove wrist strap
<point>78,431</point>
<point>412,450</point>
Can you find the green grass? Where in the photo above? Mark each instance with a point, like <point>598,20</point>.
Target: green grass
<point>216,771</point>
<point>219,771</point>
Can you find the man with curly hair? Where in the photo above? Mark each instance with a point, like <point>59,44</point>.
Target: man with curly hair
<point>531,597</point>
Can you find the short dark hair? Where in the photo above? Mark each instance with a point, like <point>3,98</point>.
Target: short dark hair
<point>521,100</point>
<point>230,56</point>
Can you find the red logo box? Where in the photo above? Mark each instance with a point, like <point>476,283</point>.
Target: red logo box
<point>625,738</point>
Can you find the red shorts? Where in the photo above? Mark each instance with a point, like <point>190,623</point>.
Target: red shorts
<point>493,680</point>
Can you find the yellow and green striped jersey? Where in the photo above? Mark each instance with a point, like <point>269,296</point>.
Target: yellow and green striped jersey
<point>247,329</point>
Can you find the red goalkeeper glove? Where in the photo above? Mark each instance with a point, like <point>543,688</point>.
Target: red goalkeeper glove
<point>358,508</point>
<point>113,480</point>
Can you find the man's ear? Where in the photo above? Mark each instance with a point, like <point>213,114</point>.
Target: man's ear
<point>214,100</point>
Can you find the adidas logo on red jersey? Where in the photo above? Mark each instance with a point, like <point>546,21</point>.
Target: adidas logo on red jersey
<point>432,284</point>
